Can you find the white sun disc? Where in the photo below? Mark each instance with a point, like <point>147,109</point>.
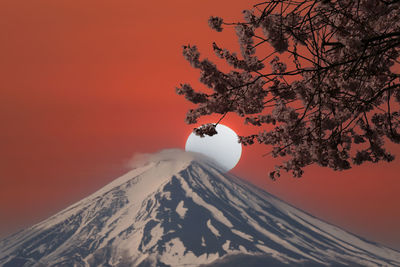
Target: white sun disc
<point>223,147</point>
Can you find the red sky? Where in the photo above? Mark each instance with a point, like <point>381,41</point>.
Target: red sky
<point>84,85</point>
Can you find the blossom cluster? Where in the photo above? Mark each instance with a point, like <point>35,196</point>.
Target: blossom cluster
<point>215,23</point>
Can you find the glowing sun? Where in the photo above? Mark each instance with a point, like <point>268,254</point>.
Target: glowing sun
<point>223,147</point>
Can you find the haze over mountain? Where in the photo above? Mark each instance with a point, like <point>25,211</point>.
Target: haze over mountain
<point>180,209</point>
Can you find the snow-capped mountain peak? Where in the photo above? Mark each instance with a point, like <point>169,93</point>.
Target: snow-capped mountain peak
<point>180,209</point>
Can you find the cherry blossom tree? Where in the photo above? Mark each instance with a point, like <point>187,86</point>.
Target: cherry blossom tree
<point>332,100</point>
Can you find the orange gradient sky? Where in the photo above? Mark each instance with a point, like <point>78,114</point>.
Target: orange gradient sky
<point>85,85</point>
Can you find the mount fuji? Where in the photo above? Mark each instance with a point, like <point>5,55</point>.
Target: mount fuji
<point>180,209</point>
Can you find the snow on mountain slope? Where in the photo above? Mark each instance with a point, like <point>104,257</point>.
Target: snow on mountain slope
<point>179,209</point>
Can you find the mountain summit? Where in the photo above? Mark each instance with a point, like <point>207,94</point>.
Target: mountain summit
<point>180,209</point>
